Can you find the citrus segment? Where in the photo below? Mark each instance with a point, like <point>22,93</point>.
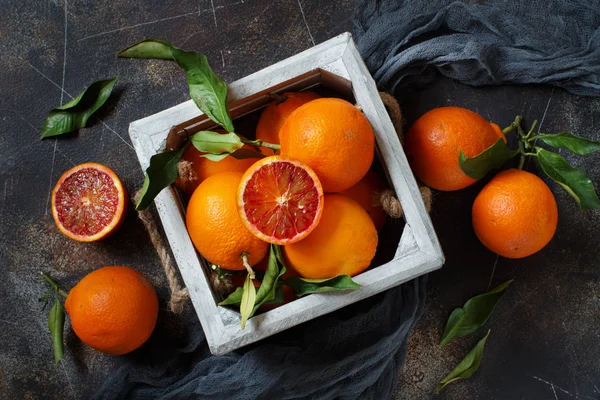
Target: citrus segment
<point>344,242</point>
<point>215,226</point>
<point>88,202</point>
<point>280,200</point>
<point>113,309</point>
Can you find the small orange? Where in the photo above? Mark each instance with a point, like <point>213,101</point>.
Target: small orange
<point>366,192</point>
<point>201,167</point>
<point>215,226</point>
<point>272,118</point>
<point>515,214</point>
<point>113,309</point>
<point>332,137</point>
<point>435,140</point>
<point>344,242</point>
<point>89,202</point>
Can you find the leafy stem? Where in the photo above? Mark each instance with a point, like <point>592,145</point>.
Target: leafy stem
<point>260,143</point>
<point>247,265</point>
<point>513,125</point>
<point>54,285</point>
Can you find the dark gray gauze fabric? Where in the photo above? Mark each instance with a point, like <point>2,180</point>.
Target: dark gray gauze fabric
<point>552,42</point>
<point>354,353</point>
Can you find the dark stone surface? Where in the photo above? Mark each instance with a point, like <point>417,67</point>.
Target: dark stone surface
<point>544,341</point>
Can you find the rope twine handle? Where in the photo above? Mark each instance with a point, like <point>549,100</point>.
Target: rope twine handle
<point>179,295</point>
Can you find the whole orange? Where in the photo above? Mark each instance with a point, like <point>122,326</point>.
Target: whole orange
<point>366,192</point>
<point>332,137</point>
<point>272,118</point>
<point>435,140</point>
<point>113,309</point>
<point>344,242</point>
<point>201,168</point>
<point>215,226</point>
<point>515,214</point>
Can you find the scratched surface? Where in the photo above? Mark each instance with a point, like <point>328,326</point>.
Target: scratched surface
<point>544,342</point>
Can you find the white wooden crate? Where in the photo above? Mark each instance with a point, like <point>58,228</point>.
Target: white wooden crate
<point>418,251</point>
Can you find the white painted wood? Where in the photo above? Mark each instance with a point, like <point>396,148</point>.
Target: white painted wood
<point>418,251</point>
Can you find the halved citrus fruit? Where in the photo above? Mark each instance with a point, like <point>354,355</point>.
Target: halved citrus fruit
<point>280,200</point>
<point>89,202</point>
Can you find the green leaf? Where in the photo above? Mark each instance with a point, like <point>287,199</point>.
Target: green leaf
<point>474,313</point>
<point>75,114</point>
<point>248,299</point>
<point>304,286</point>
<point>56,324</point>
<point>575,181</point>
<point>207,89</point>
<point>268,287</point>
<point>161,173</point>
<point>467,366</point>
<point>279,296</point>
<point>216,143</point>
<point>234,298</point>
<point>575,144</point>
<point>149,48</point>
<point>491,158</point>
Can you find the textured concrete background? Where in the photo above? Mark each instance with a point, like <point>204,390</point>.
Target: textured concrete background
<point>544,341</point>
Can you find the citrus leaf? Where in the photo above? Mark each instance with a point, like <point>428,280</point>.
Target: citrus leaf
<point>160,174</point>
<point>474,313</point>
<point>491,158</point>
<point>467,366</point>
<point>575,144</point>
<point>56,324</point>
<point>248,299</point>
<point>207,89</point>
<point>234,298</point>
<point>216,143</point>
<point>575,181</point>
<point>75,114</point>
<point>304,286</point>
<point>279,296</point>
<point>149,48</point>
<point>268,287</point>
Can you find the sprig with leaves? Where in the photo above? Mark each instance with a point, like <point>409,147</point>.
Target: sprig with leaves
<point>56,316</point>
<point>209,92</point>
<point>575,181</point>
<point>464,321</point>
<point>270,290</point>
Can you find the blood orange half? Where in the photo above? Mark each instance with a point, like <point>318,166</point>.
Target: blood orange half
<point>89,202</point>
<point>280,200</point>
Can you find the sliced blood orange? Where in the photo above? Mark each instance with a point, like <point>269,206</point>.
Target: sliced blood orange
<point>280,200</point>
<point>89,202</point>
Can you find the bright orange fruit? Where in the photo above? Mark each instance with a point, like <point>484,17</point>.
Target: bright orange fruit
<point>332,137</point>
<point>272,118</point>
<point>344,242</point>
<point>113,309</point>
<point>89,202</point>
<point>435,140</point>
<point>366,192</point>
<point>515,214</point>
<point>215,226</point>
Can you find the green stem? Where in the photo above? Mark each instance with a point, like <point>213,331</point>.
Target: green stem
<point>531,129</point>
<point>260,143</point>
<point>54,285</point>
<point>522,151</point>
<point>512,126</point>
